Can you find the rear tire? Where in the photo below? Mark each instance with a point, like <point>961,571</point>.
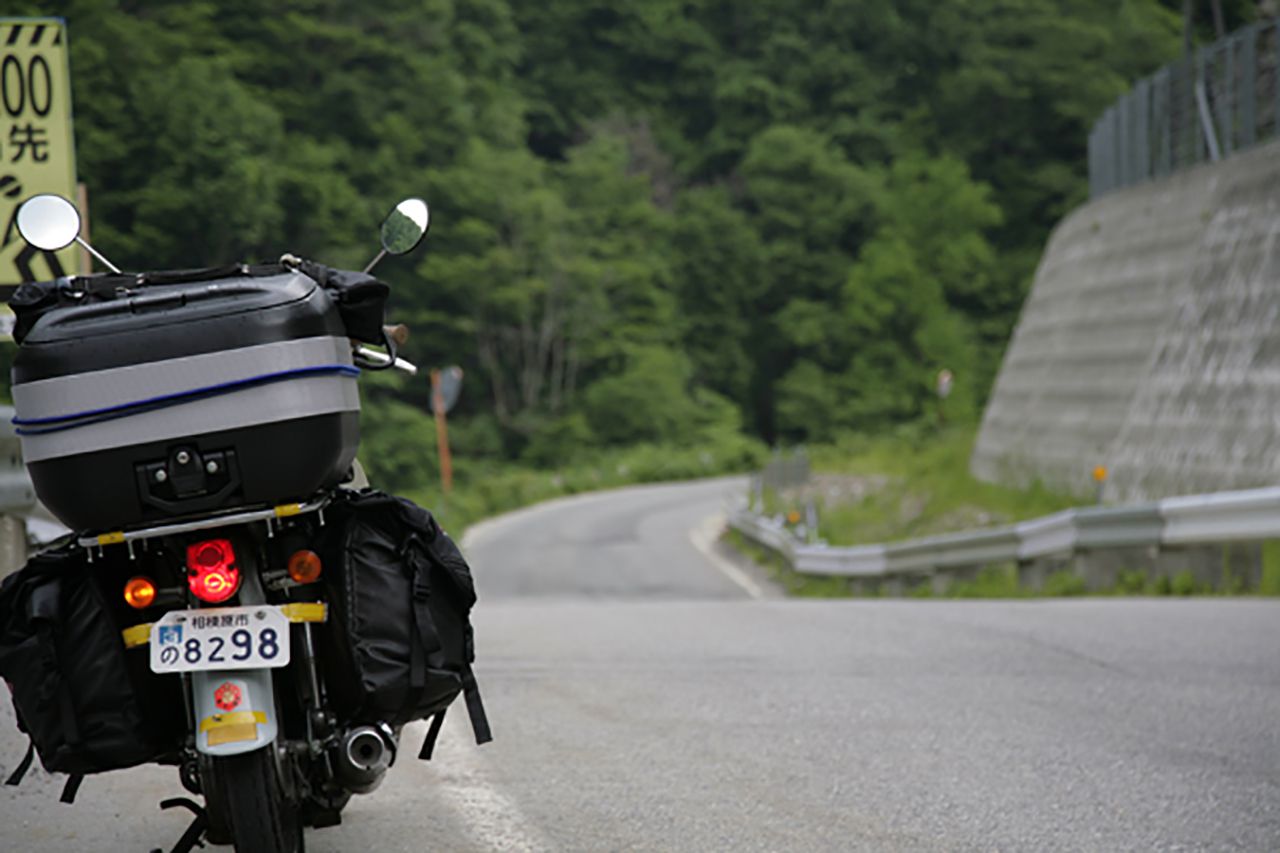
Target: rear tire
<point>256,813</point>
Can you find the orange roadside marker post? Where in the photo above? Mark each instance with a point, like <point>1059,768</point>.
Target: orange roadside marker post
<point>446,385</point>
<point>1100,478</point>
<point>442,433</point>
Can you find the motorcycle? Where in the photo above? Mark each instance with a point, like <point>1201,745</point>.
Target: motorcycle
<point>232,601</point>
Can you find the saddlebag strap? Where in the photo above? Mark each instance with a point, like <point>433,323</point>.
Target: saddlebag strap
<point>475,708</point>
<point>24,765</point>
<point>73,785</point>
<point>428,640</point>
<point>422,618</point>
<point>429,742</point>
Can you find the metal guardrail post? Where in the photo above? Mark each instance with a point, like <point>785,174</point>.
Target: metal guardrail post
<point>17,496</point>
<point>16,492</point>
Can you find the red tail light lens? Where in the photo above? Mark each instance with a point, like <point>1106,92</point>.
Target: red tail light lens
<point>211,570</point>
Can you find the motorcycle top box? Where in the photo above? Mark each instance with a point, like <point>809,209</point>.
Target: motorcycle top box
<point>141,398</point>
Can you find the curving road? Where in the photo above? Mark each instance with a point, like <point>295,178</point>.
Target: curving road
<point>648,696</point>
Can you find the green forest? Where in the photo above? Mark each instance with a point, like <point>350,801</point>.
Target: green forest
<point>680,224</point>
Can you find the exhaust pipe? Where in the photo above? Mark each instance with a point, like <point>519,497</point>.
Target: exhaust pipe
<point>364,754</point>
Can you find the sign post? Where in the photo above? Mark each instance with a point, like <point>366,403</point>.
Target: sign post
<point>1100,481</point>
<point>37,147</point>
<point>946,381</point>
<point>446,385</point>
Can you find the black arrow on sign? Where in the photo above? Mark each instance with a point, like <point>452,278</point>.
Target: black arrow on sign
<point>23,263</point>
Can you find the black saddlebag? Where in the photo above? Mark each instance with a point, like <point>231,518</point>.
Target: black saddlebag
<point>398,645</point>
<point>88,705</point>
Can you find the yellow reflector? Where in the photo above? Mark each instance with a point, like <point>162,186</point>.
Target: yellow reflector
<point>286,510</point>
<point>138,635</point>
<point>305,611</point>
<point>111,538</point>
<point>234,718</point>
<point>236,733</point>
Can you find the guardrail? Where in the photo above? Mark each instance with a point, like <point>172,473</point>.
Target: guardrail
<point>1213,519</point>
<point>16,492</point>
<point>1220,99</point>
<point>17,496</point>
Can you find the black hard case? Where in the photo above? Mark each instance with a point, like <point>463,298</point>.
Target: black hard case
<point>263,463</point>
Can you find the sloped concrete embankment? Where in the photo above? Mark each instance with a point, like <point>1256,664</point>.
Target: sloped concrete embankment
<point>1150,342</point>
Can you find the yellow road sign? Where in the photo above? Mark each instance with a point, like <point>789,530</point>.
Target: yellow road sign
<point>37,149</point>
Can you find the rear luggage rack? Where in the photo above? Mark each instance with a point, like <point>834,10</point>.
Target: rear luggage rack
<point>269,516</point>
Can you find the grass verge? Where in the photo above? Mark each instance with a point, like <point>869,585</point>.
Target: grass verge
<point>913,483</point>
<point>907,485</point>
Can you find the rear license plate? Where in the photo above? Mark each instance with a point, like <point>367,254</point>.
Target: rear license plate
<point>255,637</point>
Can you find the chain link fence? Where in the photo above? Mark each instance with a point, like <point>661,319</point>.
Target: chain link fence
<point>1222,98</point>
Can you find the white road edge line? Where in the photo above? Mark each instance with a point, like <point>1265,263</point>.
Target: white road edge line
<point>492,819</point>
<point>704,538</point>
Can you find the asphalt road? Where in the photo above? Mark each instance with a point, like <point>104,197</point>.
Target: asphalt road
<point>644,698</point>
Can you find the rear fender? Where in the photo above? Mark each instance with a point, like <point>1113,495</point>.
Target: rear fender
<point>235,710</point>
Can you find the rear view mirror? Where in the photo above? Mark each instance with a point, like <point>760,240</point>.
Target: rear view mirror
<point>48,222</point>
<point>405,226</point>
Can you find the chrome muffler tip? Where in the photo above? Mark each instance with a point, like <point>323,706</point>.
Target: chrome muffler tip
<point>364,754</point>
<point>365,749</point>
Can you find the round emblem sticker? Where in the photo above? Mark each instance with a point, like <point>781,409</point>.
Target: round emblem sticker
<point>228,696</point>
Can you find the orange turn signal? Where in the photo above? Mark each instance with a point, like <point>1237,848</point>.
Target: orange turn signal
<point>304,566</point>
<point>139,592</point>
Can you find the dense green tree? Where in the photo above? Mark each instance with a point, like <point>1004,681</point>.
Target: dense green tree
<point>662,221</point>
<point>717,273</point>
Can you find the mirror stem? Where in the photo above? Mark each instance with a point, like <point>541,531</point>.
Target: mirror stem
<point>115,269</point>
<point>373,263</point>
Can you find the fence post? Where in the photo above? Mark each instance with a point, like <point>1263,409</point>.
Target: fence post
<point>1142,127</point>
<point>1164,121</point>
<point>1092,149</point>
<point>1190,124</point>
<point>1201,106</point>
<point>1248,83</point>
<point>1228,91</point>
<point>1122,142</point>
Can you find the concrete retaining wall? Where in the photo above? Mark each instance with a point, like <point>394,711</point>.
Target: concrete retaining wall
<point>1150,342</point>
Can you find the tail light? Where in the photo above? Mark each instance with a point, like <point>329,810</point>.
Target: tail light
<point>304,567</point>
<point>211,570</point>
<point>139,592</point>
